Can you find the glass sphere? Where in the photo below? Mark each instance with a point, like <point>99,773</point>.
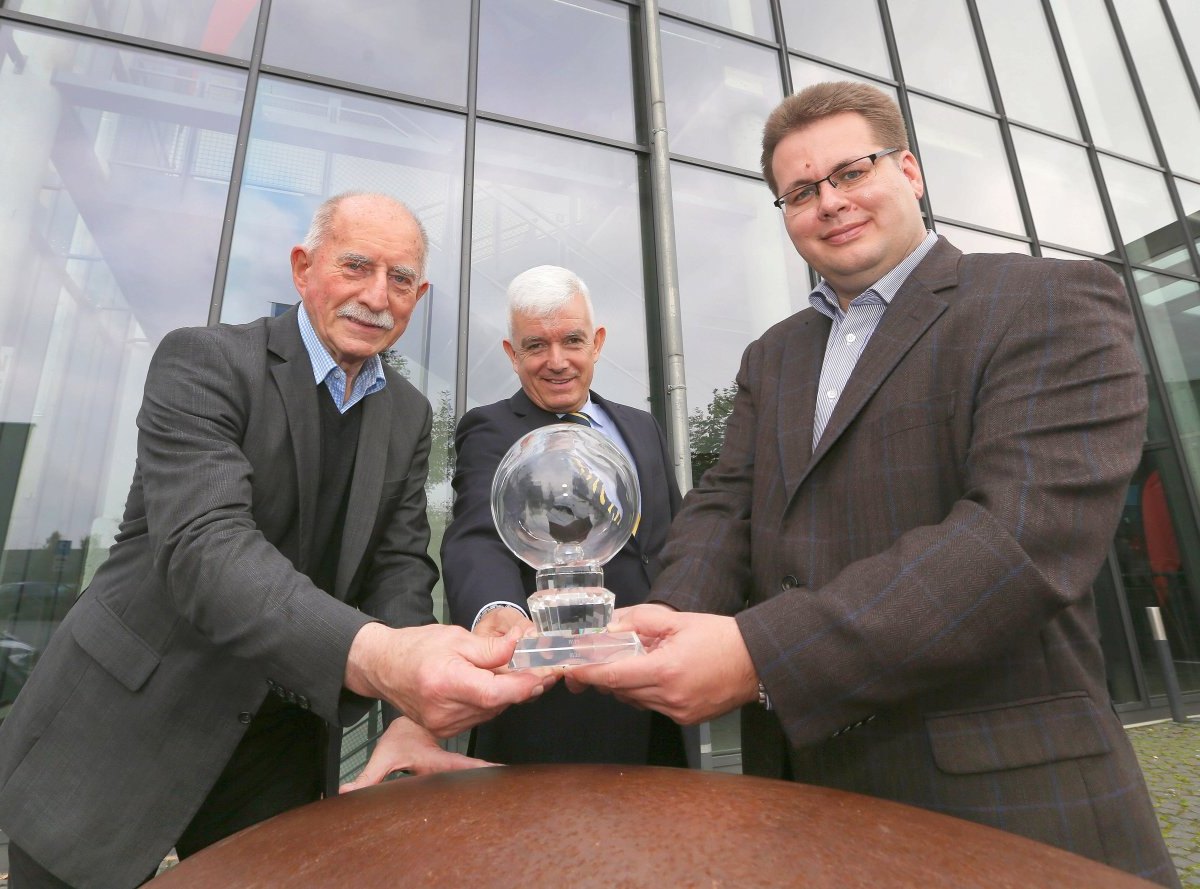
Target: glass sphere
<point>564,496</point>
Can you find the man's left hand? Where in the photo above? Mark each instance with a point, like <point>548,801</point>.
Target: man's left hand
<point>696,666</point>
<point>407,747</point>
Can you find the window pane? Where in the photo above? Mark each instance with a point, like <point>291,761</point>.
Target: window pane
<point>938,50</point>
<point>1187,19</point>
<point>806,73</point>
<point>719,93</point>
<point>113,199</point>
<point>334,142</point>
<point>542,199</point>
<point>1149,228</point>
<point>216,26</point>
<point>819,29</point>
<point>1062,192</point>
<point>727,304</point>
<point>1171,100</point>
<point>970,241</point>
<point>1189,196</point>
<point>1109,103</point>
<point>540,59</point>
<point>965,169</point>
<point>1026,65</point>
<point>748,16</point>
<point>404,46</point>
<point>1158,551</point>
<point>1172,311</point>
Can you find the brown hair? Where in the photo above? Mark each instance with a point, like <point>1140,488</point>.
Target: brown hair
<point>823,100</point>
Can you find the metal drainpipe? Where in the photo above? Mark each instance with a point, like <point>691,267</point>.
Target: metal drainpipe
<point>664,239</point>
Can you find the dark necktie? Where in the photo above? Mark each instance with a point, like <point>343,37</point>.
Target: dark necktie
<point>577,417</point>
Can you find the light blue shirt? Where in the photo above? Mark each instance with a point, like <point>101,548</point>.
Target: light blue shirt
<point>369,380</point>
<point>853,328</point>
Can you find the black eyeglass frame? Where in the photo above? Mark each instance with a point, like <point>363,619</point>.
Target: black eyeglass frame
<point>778,202</point>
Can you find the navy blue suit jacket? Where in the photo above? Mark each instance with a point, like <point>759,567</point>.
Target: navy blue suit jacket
<point>479,568</point>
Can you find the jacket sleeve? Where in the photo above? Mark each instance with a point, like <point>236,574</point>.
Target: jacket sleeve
<point>478,567</point>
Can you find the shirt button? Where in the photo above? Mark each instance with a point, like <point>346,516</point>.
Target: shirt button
<point>850,337</point>
<point>831,394</point>
<point>789,582</point>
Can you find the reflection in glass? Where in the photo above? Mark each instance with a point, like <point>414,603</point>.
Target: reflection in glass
<point>215,26</point>
<point>819,29</point>
<point>965,169</point>
<point>719,93</point>
<point>1159,553</point>
<point>1062,192</point>
<point>113,199</point>
<point>542,199</point>
<point>938,50</point>
<point>1149,228</point>
<point>1187,19</point>
<point>727,304</point>
<point>751,17</point>
<point>1109,103</point>
<point>968,240</point>
<point>541,60</point>
<point>404,46</point>
<point>1172,103</point>
<point>806,73</point>
<point>1026,65</point>
<point>1189,197</point>
<point>1172,310</point>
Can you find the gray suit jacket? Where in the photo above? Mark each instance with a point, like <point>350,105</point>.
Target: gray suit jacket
<point>928,568</point>
<point>202,606</point>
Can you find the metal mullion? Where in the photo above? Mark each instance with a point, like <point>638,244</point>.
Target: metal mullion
<point>1189,64</point>
<point>468,209</point>
<point>1010,148</point>
<point>869,76</point>
<point>553,130</point>
<point>716,165</point>
<point>785,62</point>
<point>239,164</point>
<point>1152,128</point>
<point>126,40</point>
<point>982,229</point>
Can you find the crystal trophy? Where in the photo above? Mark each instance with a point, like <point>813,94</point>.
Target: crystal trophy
<point>565,500</point>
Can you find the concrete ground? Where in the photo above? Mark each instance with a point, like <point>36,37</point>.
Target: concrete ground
<point>1169,753</point>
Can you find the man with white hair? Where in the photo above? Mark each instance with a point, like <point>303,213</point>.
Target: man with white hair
<point>269,578</point>
<point>554,343</point>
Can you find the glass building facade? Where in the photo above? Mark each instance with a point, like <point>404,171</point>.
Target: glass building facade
<point>158,160</point>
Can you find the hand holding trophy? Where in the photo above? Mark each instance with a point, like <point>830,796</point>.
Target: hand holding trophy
<point>565,500</point>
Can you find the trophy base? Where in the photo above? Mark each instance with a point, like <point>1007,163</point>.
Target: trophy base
<point>570,651</point>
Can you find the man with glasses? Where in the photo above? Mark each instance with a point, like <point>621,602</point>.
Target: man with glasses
<point>890,565</point>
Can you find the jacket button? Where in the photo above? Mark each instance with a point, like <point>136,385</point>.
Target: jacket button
<point>244,717</point>
<point>645,560</point>
<point>789,582</point>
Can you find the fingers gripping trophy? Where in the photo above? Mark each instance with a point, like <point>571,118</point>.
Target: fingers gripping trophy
<point>565,500</point>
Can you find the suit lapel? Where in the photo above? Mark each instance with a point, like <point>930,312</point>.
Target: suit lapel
<point>799,374</point>
<point>293,376</point>
<point>913,310</point>
<point>370,461</point>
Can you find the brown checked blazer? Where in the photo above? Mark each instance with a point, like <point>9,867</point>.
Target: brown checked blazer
<point>916,593</point>
<point>202,607</point>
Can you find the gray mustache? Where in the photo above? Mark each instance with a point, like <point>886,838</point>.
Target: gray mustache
<point>363,315</point>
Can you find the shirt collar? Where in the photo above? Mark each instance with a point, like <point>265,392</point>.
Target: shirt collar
<point>824,299</point>
<point>323,364</point>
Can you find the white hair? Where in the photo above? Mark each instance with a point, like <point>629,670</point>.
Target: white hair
<point>322,222</point>
<point>543,290</point>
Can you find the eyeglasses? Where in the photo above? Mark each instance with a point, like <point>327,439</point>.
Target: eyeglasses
<point>847,177</point>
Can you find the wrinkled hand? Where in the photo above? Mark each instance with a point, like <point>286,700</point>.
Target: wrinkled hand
<point>440,676</point>
<point>407,747</point>
<point>696,666</point>
<point>500,620</point>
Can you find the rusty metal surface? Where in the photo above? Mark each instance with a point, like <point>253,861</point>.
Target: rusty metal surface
<point>620,826</point>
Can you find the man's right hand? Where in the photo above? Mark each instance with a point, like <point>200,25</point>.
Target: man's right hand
<point>440,676</point>
<point>501,621</point>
